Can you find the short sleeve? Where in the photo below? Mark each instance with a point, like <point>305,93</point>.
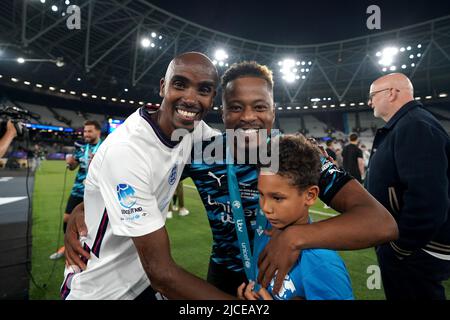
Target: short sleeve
<point>331,180</point>
<point>127,189</point>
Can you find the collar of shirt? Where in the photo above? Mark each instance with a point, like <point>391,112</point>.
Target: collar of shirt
<point>400,113</point>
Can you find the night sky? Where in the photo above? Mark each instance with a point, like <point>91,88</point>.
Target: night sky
<point>301,22</point>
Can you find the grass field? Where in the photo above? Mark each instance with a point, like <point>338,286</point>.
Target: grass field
<point>190,237</point>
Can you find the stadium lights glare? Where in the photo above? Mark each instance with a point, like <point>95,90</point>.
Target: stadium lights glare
<point>419,46</point>
<point>288,70</point>
<point>141,103</point>
<point>54,8</point>
<point>404,66</point>
<point>352,104</point>
<point>332,106</point>
<point>38,85</point>
<point>1,76</point>
<point>52,88</point>
<point>393,68</point>
<point>413,65</point>
<point>314,107</point>
<point>20,60</point>
<point>289,108</point>
<point>297,108</point>
<point>78,79</point>
<point>361,103</point>
<point>216,108</point>
<point>62,90</point>
<point>67,2</point>
<point>315,99</point>
<point>122,100</point>
<point>324,106</point>
<point>73,93</point>
<point>387,56</point>
<point>418,98</point>
<point>84,94</point>
<point>408,48</point>
<point>442,95</point>
<point>131,102</point>
<point>94,96</point>
<point>280,108</point>
<point>153,34</point>
<point>305,107</point>
<point>428,97</point>
<point>126,90</point>
<point>42,1</point>
<point>103,98</point>
<point>342,105</point>
<point>114,99</point>
<point>145,42</point>
<point>220,55</point>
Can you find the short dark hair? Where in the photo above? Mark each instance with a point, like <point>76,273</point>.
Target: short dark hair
<point>329,142</point>
<point>299,161</point>
<point>353,137</point>
<point>247,69</point>
<point>94,123</point>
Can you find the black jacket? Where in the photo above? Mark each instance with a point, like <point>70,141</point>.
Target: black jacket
<point>409,174</point>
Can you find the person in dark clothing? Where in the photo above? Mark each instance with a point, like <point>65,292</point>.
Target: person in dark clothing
<point>409,174</point>
<point>353,158</point>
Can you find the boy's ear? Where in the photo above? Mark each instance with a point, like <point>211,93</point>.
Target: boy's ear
<point>311,195</point>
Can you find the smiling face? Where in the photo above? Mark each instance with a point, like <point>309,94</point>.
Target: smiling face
<point>248,107</point>
<point>283,203</point>
<point>91,134</point>
<point>188,90</point>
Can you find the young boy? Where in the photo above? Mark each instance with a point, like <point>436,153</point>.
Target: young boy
<point>285,197</point>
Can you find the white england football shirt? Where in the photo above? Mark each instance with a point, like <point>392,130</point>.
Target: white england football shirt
<point>131,180</point>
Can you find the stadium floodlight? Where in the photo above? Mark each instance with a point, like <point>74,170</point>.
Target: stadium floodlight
<point>342,105</point>
<point>442,95</point>
<point>402,49</point>
<point>280,108</point>
<point>114,99</point>
<point>305,107</point>
<point>289,70</point>
<point>315,99</point>
<point>314,107</point>
<point>78,79</point>
<point>62,90</point>
<point>387,56</point>
<point>220,55</point>
<point>303,63</point>
<point>126,90</point>
<point>131,102</point>
<point>384,69</point>
<point>411,56</point>
<point>54,8</point>
<point>52,88</point>
<point>417,98</point>
<point>309,63</point>
<point>94,96</point>
<point>38,85</point>
<point>413,65</point>
<point>67,2</point>
<point>361,103</point>
<point>303,77</point>
<point>122,100</point>
<point>332,106</point>
<point>428,97</point>
<point>324,106</point>
<point>393,68</point>
<point>289,108</point>
<point>20,60</point>
<point>352,104</point>
<point>408,48</point>
<point>404,66</point>
<point>42,1</point>
<point>419,46</point>
<point>160,37</point>
<point>145,42</point>
<point>419,55</point>
<point>27,83</point>
<point>103,98</point>
<point>152,45</point>
<point>153,34</point>
<point>84,94</point>
<point>297,108</point>
<point>141,103</point>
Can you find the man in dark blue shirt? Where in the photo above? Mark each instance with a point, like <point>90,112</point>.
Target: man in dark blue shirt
<point>409,174</point>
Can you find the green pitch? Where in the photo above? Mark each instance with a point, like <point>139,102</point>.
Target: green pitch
<point>190,236</point>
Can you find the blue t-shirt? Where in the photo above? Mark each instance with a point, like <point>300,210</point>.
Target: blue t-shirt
<point>212,185</point>
<point>318,274</point>
<point>80,156</point>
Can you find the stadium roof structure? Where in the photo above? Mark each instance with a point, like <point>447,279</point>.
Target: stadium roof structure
<point>107,56</point>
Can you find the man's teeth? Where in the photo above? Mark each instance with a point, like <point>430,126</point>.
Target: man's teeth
<point>249,131</point>
<point>186,113</point>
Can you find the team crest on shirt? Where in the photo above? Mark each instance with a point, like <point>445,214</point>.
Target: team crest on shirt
<point>173,175</point>
<point>125,194</point>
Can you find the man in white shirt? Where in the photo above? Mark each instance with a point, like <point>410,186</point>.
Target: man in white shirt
<point>128,189</point>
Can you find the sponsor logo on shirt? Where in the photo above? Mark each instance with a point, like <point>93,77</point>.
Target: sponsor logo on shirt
<point>173,175</point>
<point>125,194</point>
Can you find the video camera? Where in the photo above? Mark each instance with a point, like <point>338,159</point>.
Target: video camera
<point>17,116</point>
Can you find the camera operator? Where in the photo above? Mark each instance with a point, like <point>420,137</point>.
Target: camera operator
<point>7,138</point>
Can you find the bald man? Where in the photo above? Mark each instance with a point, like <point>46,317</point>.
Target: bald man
<point>409,174</point>
<point>130,183</point>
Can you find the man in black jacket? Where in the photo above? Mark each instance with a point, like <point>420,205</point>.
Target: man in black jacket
<point>409,174</point>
